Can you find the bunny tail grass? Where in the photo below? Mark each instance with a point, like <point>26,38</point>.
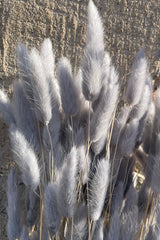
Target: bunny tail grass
<point>47,58</point>
<point>80,227</point>
<point>14,225</point>
<point>141,108</point>
<point>102,117</point>
<point>129,216</point>
<point>117,198</point>
<point>137,79</point>
<point>32,206</point>
<point>40,86</point>
<point>98,188</point>
<point>93,58</point>
<point>98,232</point>
<point>92,74</point>
<point>94,28</point>
<point>52,217</point>
<point>120,123</point>
<point>25,70</point>
<point>67,189</point>
<point>24,116</point>
<point>25,158</point>
<point>48,62</point>
<point>69,93</point>
<point>88,152</point>
<point>128,138</point>
<point>128,226</point>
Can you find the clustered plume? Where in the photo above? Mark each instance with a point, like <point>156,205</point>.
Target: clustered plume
<point>77,149</point>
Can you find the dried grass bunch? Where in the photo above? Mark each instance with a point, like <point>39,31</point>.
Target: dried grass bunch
<point>76,152</point>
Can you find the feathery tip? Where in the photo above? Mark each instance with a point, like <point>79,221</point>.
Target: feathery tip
<point>46,45</point>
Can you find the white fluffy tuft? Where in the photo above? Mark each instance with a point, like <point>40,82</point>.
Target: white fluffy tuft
<point>67,189</point>
<point>98,188</point>
<point>68,90</point>
<point>40,86</point>
<point>25,158</point>
<point>95,28</point>
<point>137,79</point>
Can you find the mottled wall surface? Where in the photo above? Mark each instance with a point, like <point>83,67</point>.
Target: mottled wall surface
<point>128,26</point>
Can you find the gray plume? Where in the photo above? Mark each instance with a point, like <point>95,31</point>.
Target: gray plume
<point>98,232</point>
<point>101,119</point>
<point>137,79</point>
<point>40,86</point>
<point>32,206</point>
<point>114,228</point>
<point>68,90</point>
<point>80,221</point>
<point>92,74</point>
<point>25,71</point>
<point>141,108</point>
<point>93,57</point>
<point>98,188</point>
<point>117,198</point>
<point>25,117</point>
<point>67,188</point>
<point>25,158</point>
<point>94,28</point>
<point>52,216</point>
<point>48,62</point>
<point>54,127</point>
<point>120,123</point>
<point>128,138</point>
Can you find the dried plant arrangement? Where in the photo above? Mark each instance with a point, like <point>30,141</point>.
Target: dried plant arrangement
<point>77,152</point>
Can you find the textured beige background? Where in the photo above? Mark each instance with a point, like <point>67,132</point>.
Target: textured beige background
<point>128,26</point>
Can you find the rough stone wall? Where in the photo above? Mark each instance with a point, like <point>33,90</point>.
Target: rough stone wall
<point>128,26</point>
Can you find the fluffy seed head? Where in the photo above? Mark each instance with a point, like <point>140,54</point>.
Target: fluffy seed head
<point>42,98</point>
<point>94,28</point>
<point>98,189</point>
<point>67,189</point>
<point>25,158</point>
<point>52,216</point>
<point>68,90</point>
<point>137,79</point>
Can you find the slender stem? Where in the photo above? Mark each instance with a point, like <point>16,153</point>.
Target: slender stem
<point>87,155</point>
<point>42,153</point>
<point>56,236</point>
<point>41,186</point>
<point>72,228</point>
<point>93,229</point>
<point>110,136</point>
<point>52,154</point>
<point>145,216</point>
<point>41,211</point>
<point>79,186</point>
<point>72,130</point>
<point>153,201</point>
